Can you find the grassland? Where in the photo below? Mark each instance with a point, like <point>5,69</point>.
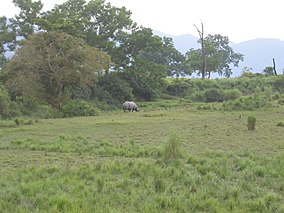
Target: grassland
<point>114,162</point>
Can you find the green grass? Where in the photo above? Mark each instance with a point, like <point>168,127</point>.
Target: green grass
<point>115,162</point>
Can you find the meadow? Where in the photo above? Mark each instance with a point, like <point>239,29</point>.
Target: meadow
<point>169,157</point>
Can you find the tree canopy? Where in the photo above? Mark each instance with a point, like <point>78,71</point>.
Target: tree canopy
<point>92,50</point>
<point>218,56</point>
<point>50,63</point>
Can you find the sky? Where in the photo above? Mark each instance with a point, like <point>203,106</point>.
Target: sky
<point>240,20</point>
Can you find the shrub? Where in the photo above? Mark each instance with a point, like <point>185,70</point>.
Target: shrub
<point>213,95</point>
<point>231,94</point>
<point>197,96</point>
<point>246,103</point>
<point>179,88</point>
<point>7,123</point>
<point>24,106</point>
<point>17,121</point>
<point>4,103</point>
<point>75,108</point>
<point>281,123</point>
<point>251,122</point>
<point>159,185</point>
<point>117,88</point>
<point>281,101</point>
<point>80,92</point>
<point>276,96</point>
<point>278,84</point>
<point>205,84</point>
<point>46,111</point>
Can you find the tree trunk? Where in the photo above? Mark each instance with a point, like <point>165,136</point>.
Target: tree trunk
<point>201,36</point>
<point>274,67</point>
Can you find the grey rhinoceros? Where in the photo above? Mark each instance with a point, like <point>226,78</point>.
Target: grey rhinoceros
<point>130,106</point>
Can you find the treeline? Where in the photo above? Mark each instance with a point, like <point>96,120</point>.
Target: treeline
<point>231,94</point>
<point>81,57</point>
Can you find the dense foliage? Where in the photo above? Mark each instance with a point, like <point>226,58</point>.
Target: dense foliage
<point>60,61</point>
<point>93,51</point>
<point>215,56</point>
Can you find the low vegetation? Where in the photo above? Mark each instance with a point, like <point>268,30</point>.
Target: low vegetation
<point>166,158</point>
<point>251,122</point>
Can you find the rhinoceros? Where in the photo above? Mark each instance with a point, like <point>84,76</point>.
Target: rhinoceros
<point>130,106</point>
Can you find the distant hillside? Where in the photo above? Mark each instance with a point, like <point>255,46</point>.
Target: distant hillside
<point>258,53</point>
<point>182,42</point>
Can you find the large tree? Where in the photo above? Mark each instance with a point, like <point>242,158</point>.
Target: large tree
<point>146,59</point>
<point>134,50</point>
<point>146,79</point>
<point>25,23</point>
<point>215,56</point>
<point>143,45</point>
<point>49,64</point>
<point>98,22</point>
<point>7,39</point>
<point>18,28</point>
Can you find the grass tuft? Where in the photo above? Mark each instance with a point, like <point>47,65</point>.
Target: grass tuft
<point>171,149</point>
<point>281,123</point>
<point>251,122</point>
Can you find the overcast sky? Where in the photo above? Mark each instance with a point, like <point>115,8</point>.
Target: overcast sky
<point>240,20</point>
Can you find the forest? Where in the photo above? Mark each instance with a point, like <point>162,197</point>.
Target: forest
<point>93,56</point>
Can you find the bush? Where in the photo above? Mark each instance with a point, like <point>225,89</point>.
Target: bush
<point>25,106</point>
<point>281,123</point>
<point>4,103</point>
<point>75,108</point>
<point>117,88</point>
<point>246,103</point>
<point>213,95</point>
<point>205,84</point>
<point>276,96</point>
<point>80,92</point>
<point>231,94</point>
<point>180,88</point>
<point>46,111</point>
<point>197,96</point>
<point>278,84</point>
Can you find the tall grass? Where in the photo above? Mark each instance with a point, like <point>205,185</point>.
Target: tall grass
<point>171,149</point>
<point>251,122</point>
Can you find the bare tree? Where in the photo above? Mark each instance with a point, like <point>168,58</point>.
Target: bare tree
<point>274,67</point>
<point>203,57</point>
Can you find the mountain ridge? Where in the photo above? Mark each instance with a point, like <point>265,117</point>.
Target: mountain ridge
<point>258,53</point>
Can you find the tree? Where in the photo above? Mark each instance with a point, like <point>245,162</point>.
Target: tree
<point>69,17</point>
<point>202,55</point>
<point>97,22</point>
<point>25,22</point>
<point>173,59</point>
<point>146,59</point>
<point>268,70</point>
<point>7,39</point>
<point>15,29</point>
<point>217,56</point>
<point>143,45</point>
<point>50,64</point>
<point>162,51</point>
<point>114,88</point>
<point>146,79</point>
